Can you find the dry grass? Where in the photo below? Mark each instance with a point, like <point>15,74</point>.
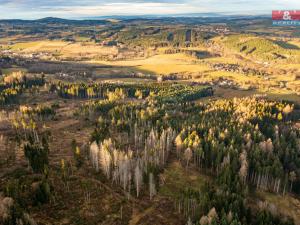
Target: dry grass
<point>160,64</point>
<point>229,93</point>
<point>63,48</point>
<point>287,205</point>
<point>13,69</point>
<point>227,60</point>
<point>92,49</point>
<point>284,97</point>
<point>233,76</point>
<point>177,179</point>
<point>295,42</point>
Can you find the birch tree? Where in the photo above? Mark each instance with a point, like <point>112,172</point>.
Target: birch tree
<point>94,155</point>
<point>188,154</point>
<point>138,178</point>
<point>152,188</point>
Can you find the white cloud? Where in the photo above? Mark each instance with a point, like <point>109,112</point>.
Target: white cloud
<point>134,9</point>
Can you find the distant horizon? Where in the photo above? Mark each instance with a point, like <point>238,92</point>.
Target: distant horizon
<point>78,9</point>
<point>194,15</point>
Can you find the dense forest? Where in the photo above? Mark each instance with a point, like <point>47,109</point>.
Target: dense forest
<point>242,144</point>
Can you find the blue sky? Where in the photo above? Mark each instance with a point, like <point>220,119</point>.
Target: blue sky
<point>31,9</point>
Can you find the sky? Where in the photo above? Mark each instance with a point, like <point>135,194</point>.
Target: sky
<point>76,9</point>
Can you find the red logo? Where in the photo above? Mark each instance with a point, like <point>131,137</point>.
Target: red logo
<point>287,15</point>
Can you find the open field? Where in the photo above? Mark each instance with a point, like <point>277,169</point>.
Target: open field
<point>62,48</point>
<point>230,93</point>
<point>160,64</point>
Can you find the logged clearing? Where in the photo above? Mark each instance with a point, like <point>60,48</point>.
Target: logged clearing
<point>176,178</point>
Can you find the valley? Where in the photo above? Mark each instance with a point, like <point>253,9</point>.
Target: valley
<point>149,121</point>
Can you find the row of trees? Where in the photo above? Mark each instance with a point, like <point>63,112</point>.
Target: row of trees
<point>13,85</point>
<point>164,92</point>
